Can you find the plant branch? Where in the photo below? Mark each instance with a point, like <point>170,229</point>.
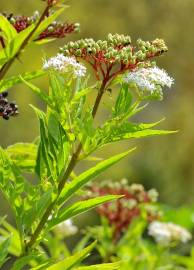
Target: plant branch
<point>7,65</point>
<point>66,175</point>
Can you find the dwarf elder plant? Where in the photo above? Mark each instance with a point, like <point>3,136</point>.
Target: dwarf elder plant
<point>69,133</point>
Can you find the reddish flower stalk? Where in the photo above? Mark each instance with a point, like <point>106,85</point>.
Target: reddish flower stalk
<point>120,213</point>
<point>58,30</point>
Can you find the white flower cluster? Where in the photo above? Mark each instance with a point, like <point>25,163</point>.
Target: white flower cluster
<point>149,78</point>
<point>66,228</point>
<point>165,233</point>
<point>64,64</point>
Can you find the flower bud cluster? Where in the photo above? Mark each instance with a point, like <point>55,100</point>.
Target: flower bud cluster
<point>21,22</point>
<point>7,109</point>
<point>166,233</point>
<point>54,30</point>
<point>115,50</point>
<point>120,213</point>
<point>59,30</point>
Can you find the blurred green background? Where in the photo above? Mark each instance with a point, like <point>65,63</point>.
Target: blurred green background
<point>165,163</point>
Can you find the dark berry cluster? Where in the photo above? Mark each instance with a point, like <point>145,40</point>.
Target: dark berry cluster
<point>115,54</point>
<point>120,213</point>
<point>7,109</point>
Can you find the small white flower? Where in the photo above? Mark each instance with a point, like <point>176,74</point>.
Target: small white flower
<point>64,64</point>
<point>66,228</point>
<point>149,78</point>
<point>165,233</point>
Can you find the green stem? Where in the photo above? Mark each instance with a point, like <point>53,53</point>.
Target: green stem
<point>7,65</point>
<point>66,175</point>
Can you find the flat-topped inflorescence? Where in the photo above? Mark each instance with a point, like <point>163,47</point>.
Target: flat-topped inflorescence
<point>7,109</point>
<point>120,213</point>
<point>149,80</point>
<point>115,55</point>
<point>165,233</point>
<point>64,64</point>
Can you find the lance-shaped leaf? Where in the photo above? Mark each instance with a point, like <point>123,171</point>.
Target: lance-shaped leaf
<point>70,262</point>
<point>4,245</point>
<point>24,260</point>
<point>103,266</point>
<point>15,45</point>
<point>23,155</point>
<point>43,158</point>
<point>114,131</point>
<point>79,208</point>
<point>39,92</point>
<point>7,28</point>
<point>12,81</point>
<point>139,134</point>
<point>88,175</point>
<point>8,231</point>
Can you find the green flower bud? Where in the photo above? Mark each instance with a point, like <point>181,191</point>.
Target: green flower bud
<point>133,60</point>
<point>94,50</point>
<point>78,52</point>
<point>125,61</point>
<point>50,28</point>
<point>89,50</point>
<point>140,42</point>
<point>143,49</point>
<point>70,45</point>
<point>12,20</point>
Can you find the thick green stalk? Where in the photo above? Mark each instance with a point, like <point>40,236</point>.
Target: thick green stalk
<point>7,65</point>
<point>66,175</point>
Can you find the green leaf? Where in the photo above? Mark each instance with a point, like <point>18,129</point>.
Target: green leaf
<point>114,131</point>
<point>4,245</point>
<point>39,92</point>
<point>23,155</point>
<point>8,83</point>
<point>44,41</point>
<point>14,46</point>
<point>9,231</point>
<point>38,203</point>
<point>85,177</point>
<point>123,102</point>
<point>7,28</point>
<point>43,158</point>
<point>79,208</point>
<point>23,261</point>
<point>103,266</point>
<point>139,134</point>
<point>72,261</point>
<point>53,149</point>
<point>80,94</point>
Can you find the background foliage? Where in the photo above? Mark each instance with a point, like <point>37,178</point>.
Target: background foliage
<point>166,162</point>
